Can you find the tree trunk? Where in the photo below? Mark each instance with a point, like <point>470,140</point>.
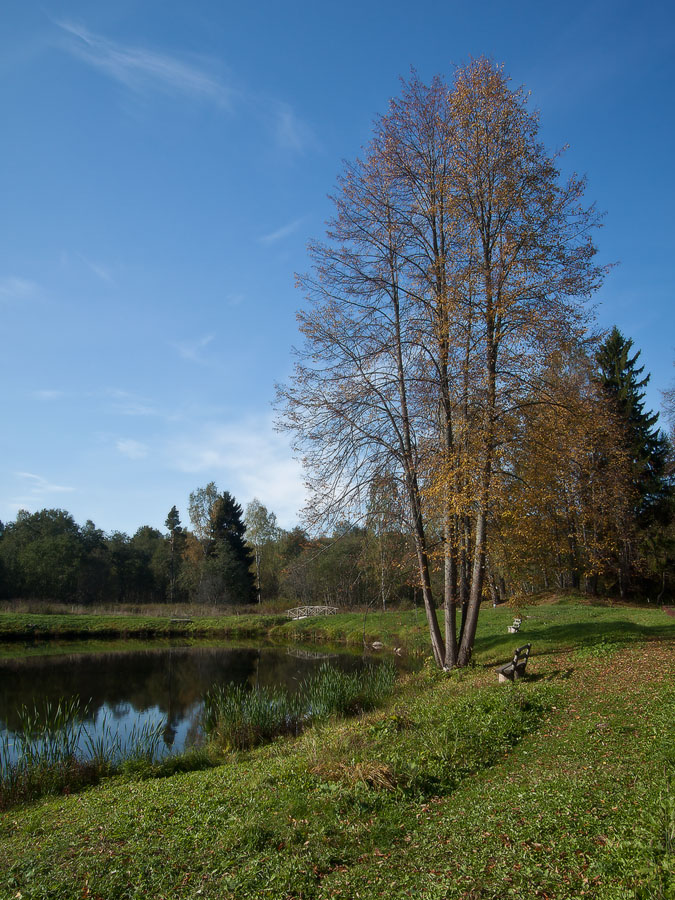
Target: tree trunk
<point>469,635</point>
<point>450,604</point>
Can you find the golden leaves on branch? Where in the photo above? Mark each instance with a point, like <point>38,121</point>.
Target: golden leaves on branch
<point>565,496</point>
<point>456,266</point>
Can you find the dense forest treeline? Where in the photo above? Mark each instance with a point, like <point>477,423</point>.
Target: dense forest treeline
<point>225,557</point>
<point>590,507</point>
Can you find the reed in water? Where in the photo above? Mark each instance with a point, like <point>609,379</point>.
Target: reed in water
<point>236,717</point>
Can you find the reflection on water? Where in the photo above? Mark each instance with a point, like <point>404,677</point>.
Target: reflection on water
<point>165,684</point>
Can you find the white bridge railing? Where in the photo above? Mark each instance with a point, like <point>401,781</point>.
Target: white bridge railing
<point>301,653</point>
<point>304,612</point>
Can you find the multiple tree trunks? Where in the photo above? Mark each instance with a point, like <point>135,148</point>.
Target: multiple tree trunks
<point>454,272</point>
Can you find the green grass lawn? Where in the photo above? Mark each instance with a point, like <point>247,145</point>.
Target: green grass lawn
<point>21,626</point>
<point>551,625</point>
<point>548,626</point>
<point>558,787</point>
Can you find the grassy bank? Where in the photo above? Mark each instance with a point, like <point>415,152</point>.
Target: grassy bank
<point>27,626</point>
<point>56,751</point>
<point>566,623</point>
<point>549,626</point>
<point>559,788</point>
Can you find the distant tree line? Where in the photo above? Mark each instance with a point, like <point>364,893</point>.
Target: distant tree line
<point>224,557</point>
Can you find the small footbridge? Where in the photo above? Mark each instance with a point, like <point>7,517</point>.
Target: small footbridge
<point>301,653</point>
<point>305,612</point>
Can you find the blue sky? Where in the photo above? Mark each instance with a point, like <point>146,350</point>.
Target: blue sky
<point>162,167</point>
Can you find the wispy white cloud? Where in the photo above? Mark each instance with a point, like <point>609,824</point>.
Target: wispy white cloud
<point>115,400</point>
<point>128,404</point>
<point>281,233</point>
<point>131,448</point>
<point>48,394</point>
<point>103,271</point>
<point>13,288</point>
<point>142,70</point>
<point>39,486</point>
<point>119,402</point>
<point>290,131</point>
<point>192,350</point>
<point>146,72</point>
<point>247,458</point>
<point>99,269</point>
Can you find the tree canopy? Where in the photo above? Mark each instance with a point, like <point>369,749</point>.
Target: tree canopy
<point>457,262</point>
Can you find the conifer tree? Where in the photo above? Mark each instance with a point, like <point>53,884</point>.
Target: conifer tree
<point>623,382</point>
<point>176,541</point>
<point>227,541</point>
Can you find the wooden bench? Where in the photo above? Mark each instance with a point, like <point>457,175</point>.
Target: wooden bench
<point>516,667</point>
<point>517,622</point>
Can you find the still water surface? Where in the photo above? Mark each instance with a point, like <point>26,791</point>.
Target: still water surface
<point>135,686</point>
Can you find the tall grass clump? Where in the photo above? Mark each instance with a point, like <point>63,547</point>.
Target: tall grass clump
<point>54,751</point>
<point>331,692</point>
<point>236,717</point>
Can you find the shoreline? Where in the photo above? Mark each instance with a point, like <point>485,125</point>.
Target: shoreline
<point>446,787</point>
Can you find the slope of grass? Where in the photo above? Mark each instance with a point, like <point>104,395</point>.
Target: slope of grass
<point>549,627</point>
<point>563,624</point>
<point>558,788</point>
<point>22,626</point>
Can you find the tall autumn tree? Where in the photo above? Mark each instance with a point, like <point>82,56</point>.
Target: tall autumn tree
<point>200,509</point>
<point>456,261</point>
<point>564,505</point>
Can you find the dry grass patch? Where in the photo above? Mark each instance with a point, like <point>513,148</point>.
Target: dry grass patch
<point>375,774</point>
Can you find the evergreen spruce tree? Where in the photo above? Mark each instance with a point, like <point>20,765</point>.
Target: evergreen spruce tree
<point>623,381</point>
<point>176,541</point>
<point>227,542</point>
<point>647,446</point>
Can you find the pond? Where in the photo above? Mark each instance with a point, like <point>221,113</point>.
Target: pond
<point>126,686</point>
